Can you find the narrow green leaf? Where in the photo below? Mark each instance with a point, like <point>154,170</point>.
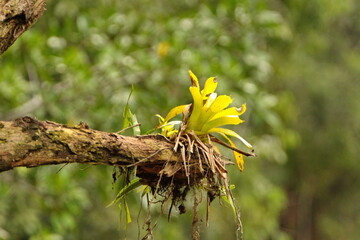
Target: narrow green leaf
<point>145,191</point>
<point>125,190</point>
<point>129,119</point>
<point>227,198</point>
<point>127,113</point>
<point>127,213</point>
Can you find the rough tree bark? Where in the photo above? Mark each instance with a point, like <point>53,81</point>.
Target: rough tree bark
<point>27,142</point>
<point>16,16</point>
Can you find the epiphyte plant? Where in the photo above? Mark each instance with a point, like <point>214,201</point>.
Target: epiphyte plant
<point>202,166</point>
<point>205,116</point>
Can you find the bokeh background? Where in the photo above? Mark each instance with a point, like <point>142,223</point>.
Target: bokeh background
<point>295,63</point>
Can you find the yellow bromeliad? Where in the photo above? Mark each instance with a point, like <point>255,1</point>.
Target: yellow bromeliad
<point>206,115</point>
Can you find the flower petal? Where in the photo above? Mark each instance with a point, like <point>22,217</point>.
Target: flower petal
<point>210,87</point>
<point>196,108</point>
<point>230,111</point>
<point>206,113</point>
<point>227,120</point>
<point>238,156</point>
<point>220,103</point>
<point>231,133</point>
<point>170,123</point>
<point>174,112</point>
<point>161,119</point>
<point>194,79</point>
<point>210,100</point>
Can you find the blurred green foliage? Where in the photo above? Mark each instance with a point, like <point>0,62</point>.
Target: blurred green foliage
<point>295,63</point>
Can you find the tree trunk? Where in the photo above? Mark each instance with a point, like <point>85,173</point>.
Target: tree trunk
<point>27,142</point>
<point>16,16</point>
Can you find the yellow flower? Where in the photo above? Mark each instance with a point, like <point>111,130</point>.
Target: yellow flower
<point>206,115</point>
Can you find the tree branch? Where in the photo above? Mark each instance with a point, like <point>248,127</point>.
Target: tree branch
<point>27,142</point>
<point>17,16</point>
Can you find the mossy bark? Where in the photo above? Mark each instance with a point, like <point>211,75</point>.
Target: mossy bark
<point>16,16</point>
<point>27,142</point>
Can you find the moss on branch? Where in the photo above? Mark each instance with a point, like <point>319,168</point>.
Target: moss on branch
<point>27,142</point>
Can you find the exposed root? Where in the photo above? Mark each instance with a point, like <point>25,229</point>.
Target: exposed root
<point>195,231</point>
<point>201,169</point>
<point>147,223</point>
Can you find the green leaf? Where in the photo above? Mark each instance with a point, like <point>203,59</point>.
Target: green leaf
<point>129,119</point>
<point>145,191</point>
<point>228,199</point>
<point>124,210</point>
<point>127,213</point>
<point>125,190</point>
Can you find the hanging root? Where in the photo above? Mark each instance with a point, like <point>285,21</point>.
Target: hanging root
<point>195,231</point>
<point>201,167</point>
